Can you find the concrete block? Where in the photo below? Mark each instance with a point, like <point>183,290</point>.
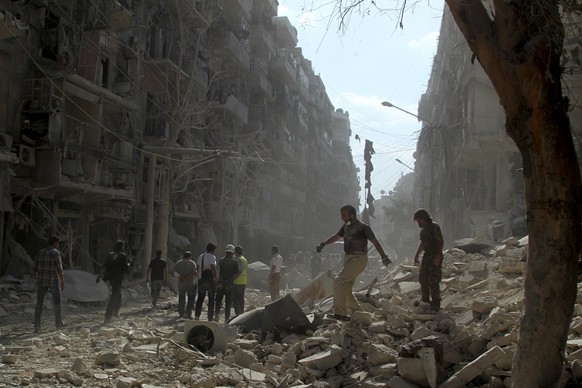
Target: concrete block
<point>244,358</point>
<point>45,373</point>
<point>385,370</point>
<point>412,369</point>
<point>79,366</point>
<point>478,268</point>
<point>403,277</point>
<point>484,305</point>
<point>363,316</point>
<point>408,287</point>
<point>474,368</point>
<point>512,267</point>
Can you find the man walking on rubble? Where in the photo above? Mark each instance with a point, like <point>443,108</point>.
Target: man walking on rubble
<point>275,273</point>
<point>228,270</point>
<point>48,270</point>
<point>114,269</point>
<point>431,242</point>
<point>356,235</point>
<point>240,283</point>
<point>206,281</point>
<point>187,270</point>
<point>157,275</point>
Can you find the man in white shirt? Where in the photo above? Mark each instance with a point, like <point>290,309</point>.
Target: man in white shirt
<point>275,274</point>
<point>206,281</point>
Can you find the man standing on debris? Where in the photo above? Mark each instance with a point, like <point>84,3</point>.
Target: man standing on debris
<point>116,265</point>
<point>187,271</point>
<point>275,273</point>
<point>240,283</point>
<point>157,275</point>
<point>48,270</point>
<point>228,270</point>
<point>206,281</point>
<point>431,242</point>
<point>356,235</point>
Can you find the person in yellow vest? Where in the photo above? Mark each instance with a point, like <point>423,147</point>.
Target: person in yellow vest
<point>240,283</point>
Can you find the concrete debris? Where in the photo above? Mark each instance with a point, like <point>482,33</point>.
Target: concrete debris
<point>391,342</point>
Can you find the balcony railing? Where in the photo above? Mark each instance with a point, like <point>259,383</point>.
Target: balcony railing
<point>234,107</point>
<point>230,46</point>
<point>285,32</point>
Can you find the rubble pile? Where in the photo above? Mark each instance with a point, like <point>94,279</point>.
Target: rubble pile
<point>394,342</point>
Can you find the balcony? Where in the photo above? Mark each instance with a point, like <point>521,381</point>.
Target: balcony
<point>229,46</point>
<point>263,41</point>
<point>285,33</point>
<point>286,68</point>
<point>260,83</point>
<point>233,107</point>
<point>238,7</point>
<point>162,75</point>
<point>121,17</point>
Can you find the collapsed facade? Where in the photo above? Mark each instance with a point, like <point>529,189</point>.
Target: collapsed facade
<point>165,124</point>
<point>468,172</point>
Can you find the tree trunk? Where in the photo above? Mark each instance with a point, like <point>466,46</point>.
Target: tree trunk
<point>520,49</point>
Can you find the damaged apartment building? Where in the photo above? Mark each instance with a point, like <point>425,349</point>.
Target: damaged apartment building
<point>468,171</point>
<point>166,124</point>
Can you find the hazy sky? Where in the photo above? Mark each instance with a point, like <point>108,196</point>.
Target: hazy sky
<point>373,61</point>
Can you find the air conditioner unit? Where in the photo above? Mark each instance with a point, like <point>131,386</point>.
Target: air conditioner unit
<point>132,48</point>
<point>5,141</point>
<point>26,156</point>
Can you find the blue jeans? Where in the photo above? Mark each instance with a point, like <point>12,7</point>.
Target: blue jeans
<point>205,286</point>
<point>55,291</point>
<point>191,292</point>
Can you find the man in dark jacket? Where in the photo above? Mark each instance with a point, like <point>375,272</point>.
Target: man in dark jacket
<point>228,270</point>
<point>114,269</point>
<point>431,243</point>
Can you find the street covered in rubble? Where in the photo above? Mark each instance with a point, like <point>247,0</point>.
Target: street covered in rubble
<point>390,343</point>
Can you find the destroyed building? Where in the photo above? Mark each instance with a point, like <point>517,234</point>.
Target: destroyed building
<point>166,124</point>
<point>468,171</point>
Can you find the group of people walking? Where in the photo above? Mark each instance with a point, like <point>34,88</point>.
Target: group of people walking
<point>226,279</point>
<point>206,277</point>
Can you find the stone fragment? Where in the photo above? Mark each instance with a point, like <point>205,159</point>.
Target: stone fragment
<point>289,359</point>
<point>126,382</point>
<point>377,327</point>
<point>277,349</point>
<point>512,267</point>
<point>429,364</point>
<point>474,368</point>
<point>101,376</point>
<point>363,316</point>
<point>408,287</point>
<point>323,360</point>
<point>399,382</point>
<point>246,344</point>
<point>79,366</point>
<point>385,370</point>
<point>421,333</point>
<point>478,268</point>
<point>403,277</point>
<point>484,305</point>
<point>45,373</point>
<point>109,358</point>
<point>245,358</point>
<point>72,378</point>
<point>274,359</point>
<point>380,354</point>
<point>511,241</point>
<point>9,358</point>
<point>412,370</point>
<point>62,339</point>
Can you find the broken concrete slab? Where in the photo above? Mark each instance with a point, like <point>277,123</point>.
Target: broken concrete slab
<point>109,358</point>
<point>245,358</point>
<point>408,287</point>
<point>474,368</point>
<point>484,305</point>
<point>324,360</point>
<point>512,267</point>
<point>399,382</point>
<point>363,317</point>
<point>320,288</point>
<point>45,373</point>
<point>380,354</point>
<point>412,369</point>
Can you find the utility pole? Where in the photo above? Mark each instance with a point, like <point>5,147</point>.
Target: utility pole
<point>149,223</point>
<point>236,197</point>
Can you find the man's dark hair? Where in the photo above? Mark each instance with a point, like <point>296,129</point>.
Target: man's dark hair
<point>421,214</point>
<point>210,247</point>
<point>52,240</point>
<point>120,243</point>
<point>275,249</point>
<point>159,253</point>
<point>238,250</point>
<point>187,254</point>
<point>350,210</point>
